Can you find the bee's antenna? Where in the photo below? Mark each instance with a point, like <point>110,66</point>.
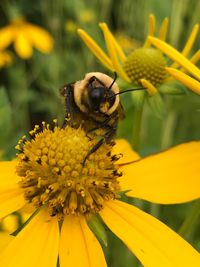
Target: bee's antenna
<point>114,80</point>
<point>130,90</point>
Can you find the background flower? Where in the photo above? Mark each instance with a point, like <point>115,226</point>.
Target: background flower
<point>25,36</point>
<point>144,65</point>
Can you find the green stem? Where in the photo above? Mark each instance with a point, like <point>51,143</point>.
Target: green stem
<point>166,141</point>
<point>190,221</point>
<point>137,120</point>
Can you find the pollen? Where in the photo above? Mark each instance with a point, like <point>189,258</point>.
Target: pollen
<point>146,63</point>
<point>57,172</point>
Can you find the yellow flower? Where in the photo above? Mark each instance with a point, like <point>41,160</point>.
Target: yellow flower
<point>49,174</point>
<point>145,65</point>
<point>70,26</point>
<point>5,58</point>
<point>181,60</point>
<point>25,36</point>
<point>86,16</point>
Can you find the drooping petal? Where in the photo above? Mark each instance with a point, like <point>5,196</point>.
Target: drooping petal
<point>124,148</point>
<point>78,245</point>
<point>23,45</point>
<point>176,56</point>
<point>163,29</point>
<point>188,81</point>
<point>96,50</point>
<point>168,177</point>
<point>153,243</point>
<point>40,38</point>
<point>149,86</point>
<point>113,53</point>
<point>7,35</point>
<point>36,244</point>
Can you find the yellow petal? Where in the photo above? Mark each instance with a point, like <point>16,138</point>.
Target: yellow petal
<point>40,38</point>
<point>168,177</point>
<point>191,40</point>
<point>188,81</point>
<point>7,35</point>
<point>5,58</point>
<point>112,52</point>
<point>11,200</point>
<point>78,245</point>
<point>163,29</point>
<point>124,148</point>
<point>176,56</point>
<point>5,239</point>
<point>23,45</point>
<point>153,243</point>
<point>189,43</point>
<point>152,27</point>
<point>8,174</point>
<point>151,89</point>
<point>195,58</point>
<point>36,245</point>
<point>118,48</point>
<point>11,196</point>
<point>96,50</point>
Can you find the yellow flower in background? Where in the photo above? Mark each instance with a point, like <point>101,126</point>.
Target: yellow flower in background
<point>70,26</point>
<point>87,16</point>
<point>83,17</point>
<point>49,175</point>
<point>145,65</point>
<point>181,60</point>
<point>5,60</point>
<point>25,36</point>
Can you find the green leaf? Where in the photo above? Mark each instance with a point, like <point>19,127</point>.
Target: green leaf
<point>97,228</point>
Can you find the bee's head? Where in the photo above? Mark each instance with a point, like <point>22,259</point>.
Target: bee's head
<point>101,98</point>
<point>98,93</point>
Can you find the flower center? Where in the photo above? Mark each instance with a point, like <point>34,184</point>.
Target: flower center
<point>53,173</point>
<point>146,63</point>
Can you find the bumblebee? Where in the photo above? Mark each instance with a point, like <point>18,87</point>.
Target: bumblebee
<point>93,103</point>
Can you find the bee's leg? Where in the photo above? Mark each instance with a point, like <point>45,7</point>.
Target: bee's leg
<point>94,149</point>
<point>107,138</point>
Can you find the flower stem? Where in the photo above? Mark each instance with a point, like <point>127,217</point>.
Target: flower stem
<point>190,221</point>
<point>166,141</point>
<point>137,121</point>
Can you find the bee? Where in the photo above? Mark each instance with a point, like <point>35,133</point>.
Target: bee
<point>93,103</point>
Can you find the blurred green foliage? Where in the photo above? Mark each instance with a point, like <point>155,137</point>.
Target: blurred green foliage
<point>29,88</point>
